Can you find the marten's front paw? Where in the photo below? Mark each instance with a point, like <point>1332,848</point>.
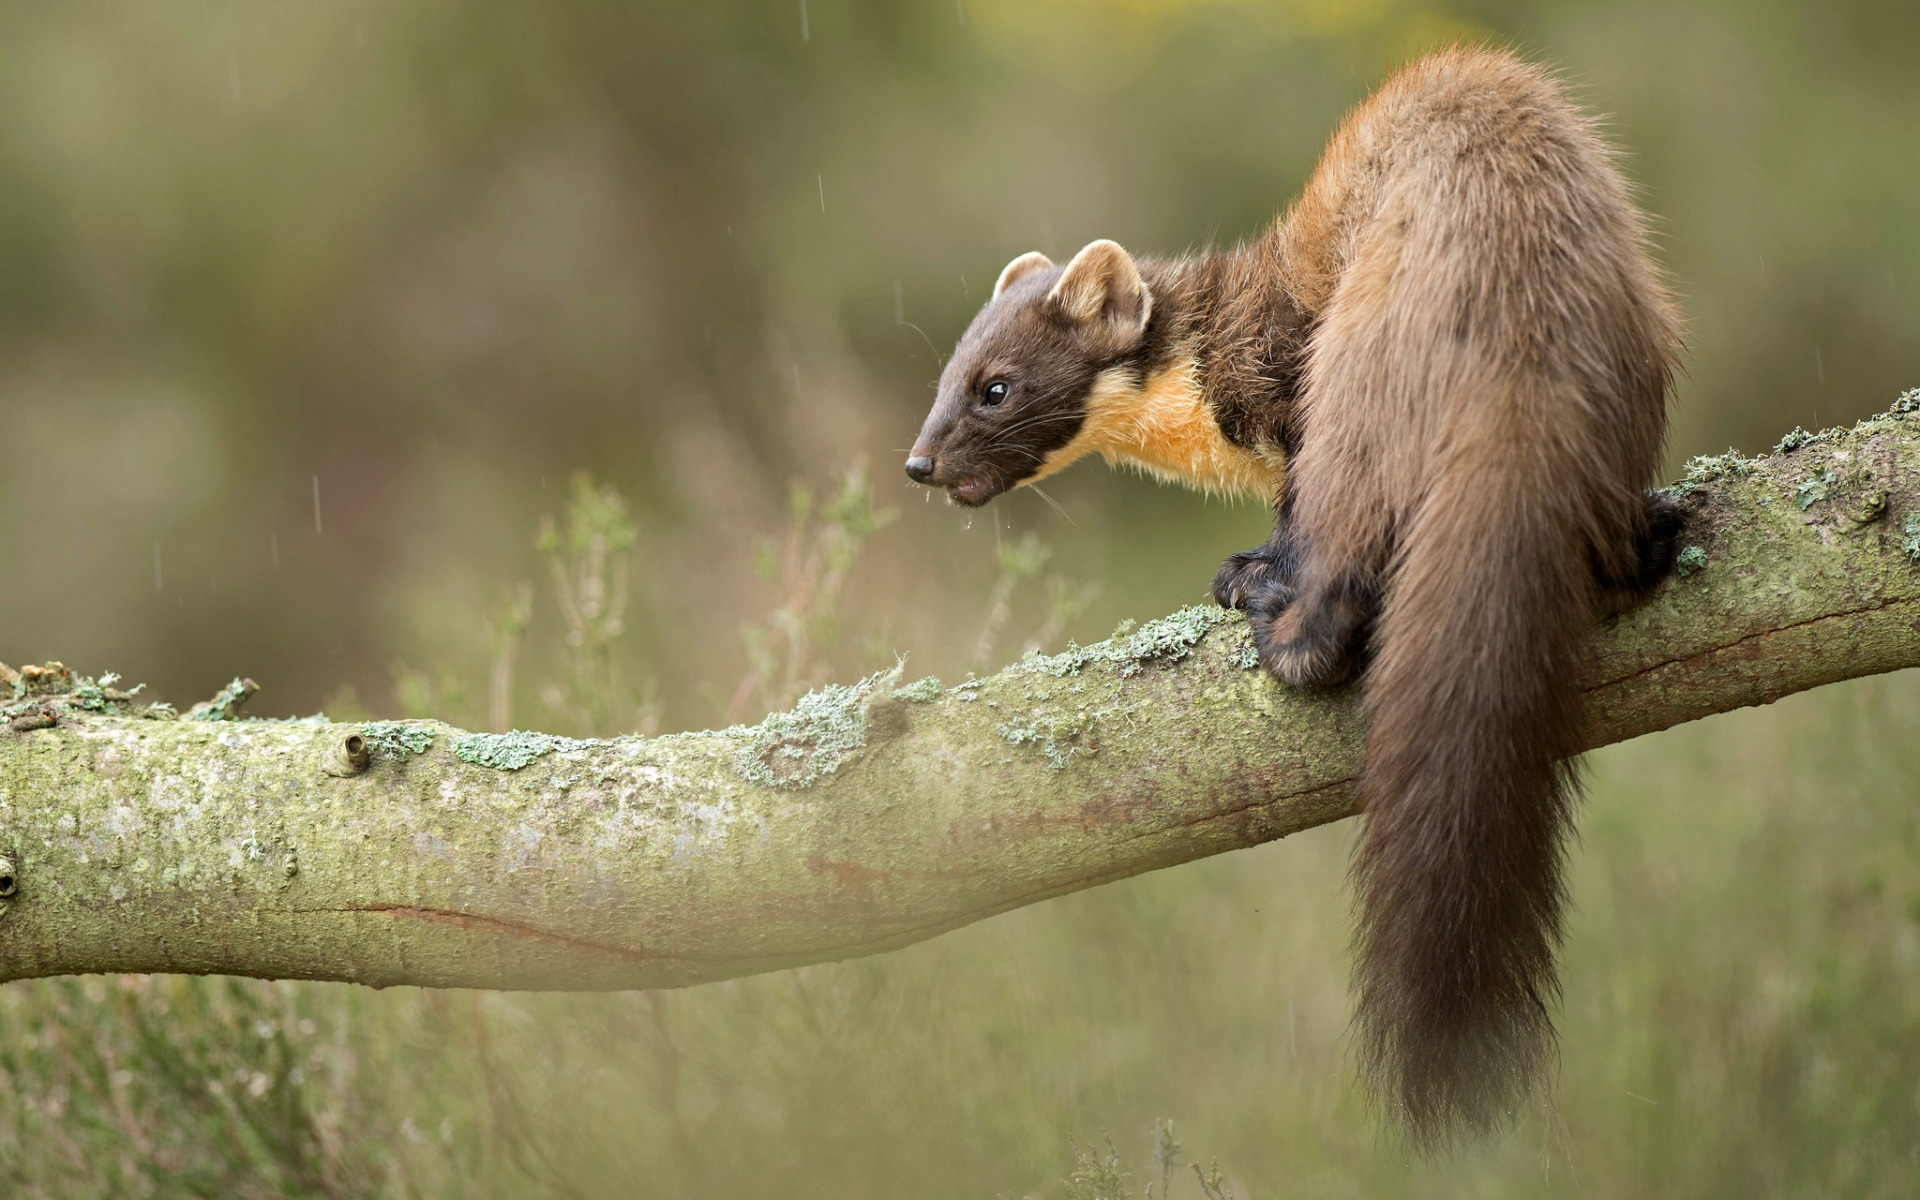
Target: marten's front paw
<point>1257,573</point>
<point>1308,645</point>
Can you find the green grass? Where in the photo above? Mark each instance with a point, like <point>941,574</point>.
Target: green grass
<point>1742,1019</point>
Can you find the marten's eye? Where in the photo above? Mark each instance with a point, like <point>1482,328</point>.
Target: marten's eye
<point>994,394</point>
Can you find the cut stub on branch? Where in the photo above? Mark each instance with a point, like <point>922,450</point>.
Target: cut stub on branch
<point>871,815</point>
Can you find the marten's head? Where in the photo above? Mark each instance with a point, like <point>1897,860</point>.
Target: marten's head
<point>1015,395</point>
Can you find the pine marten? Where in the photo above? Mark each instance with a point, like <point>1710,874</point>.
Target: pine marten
<point>1447,367</point>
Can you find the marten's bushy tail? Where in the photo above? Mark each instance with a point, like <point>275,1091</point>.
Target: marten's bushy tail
<point>1475,707</point>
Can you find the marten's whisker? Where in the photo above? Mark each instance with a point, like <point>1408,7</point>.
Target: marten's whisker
<point>1051,503</point>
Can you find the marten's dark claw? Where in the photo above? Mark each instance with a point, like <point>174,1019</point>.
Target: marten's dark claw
<point>1262,572</point>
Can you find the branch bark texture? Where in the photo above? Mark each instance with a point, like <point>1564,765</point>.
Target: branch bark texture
<point>870,816</point>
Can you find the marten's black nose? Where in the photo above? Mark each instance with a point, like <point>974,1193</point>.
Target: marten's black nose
<point>920,468</point>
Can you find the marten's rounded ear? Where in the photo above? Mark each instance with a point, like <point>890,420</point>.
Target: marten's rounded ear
<point>1020,268</point>
<point>1103,284</point>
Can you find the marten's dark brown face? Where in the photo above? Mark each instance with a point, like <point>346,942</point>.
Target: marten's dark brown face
<point>1015,392</point>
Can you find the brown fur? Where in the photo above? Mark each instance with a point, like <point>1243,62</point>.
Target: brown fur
<point>1456,342</point>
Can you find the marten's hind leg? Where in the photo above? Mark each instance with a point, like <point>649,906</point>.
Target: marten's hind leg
<point>1343,483</point>
<point>1655,547</point>
<point>1313,632</point>
<point>1317,637</point>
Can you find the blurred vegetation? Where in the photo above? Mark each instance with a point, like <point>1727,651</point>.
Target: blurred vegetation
<point>310,314</point>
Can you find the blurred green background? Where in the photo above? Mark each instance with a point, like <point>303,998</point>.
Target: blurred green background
<point>310,315</point>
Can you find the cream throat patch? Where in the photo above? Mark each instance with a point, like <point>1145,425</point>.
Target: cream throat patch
<point>1163,427</point>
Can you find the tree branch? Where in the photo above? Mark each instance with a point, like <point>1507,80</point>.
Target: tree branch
<point>870,816</point>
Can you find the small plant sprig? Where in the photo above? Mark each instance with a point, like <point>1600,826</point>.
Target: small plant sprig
<point>1166,1151</point>
<point>1021,561</point>
<point>589,561</point>
<point>1103,1176</point>
<point>1066,600</point>
<point>509,626</point>
<point>1096,1176</point>
<point>811,564</point>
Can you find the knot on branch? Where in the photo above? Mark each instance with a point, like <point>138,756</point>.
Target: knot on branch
<point>347,754</point>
